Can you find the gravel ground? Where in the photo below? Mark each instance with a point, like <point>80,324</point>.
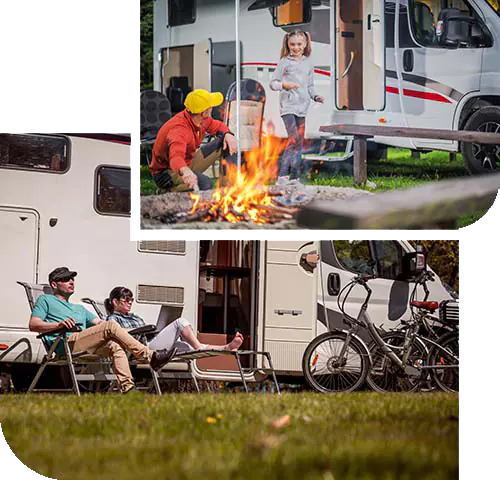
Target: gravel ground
<point>157,210</point>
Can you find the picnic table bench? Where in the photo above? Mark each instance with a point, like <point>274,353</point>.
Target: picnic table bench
<point>362,133</point>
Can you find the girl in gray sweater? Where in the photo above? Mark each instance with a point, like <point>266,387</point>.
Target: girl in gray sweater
<point>293,78</point>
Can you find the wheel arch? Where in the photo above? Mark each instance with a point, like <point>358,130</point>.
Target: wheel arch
<point>473,104</point>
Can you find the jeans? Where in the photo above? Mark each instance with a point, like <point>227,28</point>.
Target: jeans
<point>291,160</point>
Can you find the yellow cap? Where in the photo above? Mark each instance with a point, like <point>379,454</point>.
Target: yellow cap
<point>200,100</point>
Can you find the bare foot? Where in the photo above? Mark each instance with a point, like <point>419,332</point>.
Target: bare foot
<point>236,342</point>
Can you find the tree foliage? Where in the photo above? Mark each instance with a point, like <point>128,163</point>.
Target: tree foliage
<point>443,259</point>
<point>146,44</point>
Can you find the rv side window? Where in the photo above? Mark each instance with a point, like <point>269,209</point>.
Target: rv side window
<point>294,12</point>
<point>388,259</point>
<point>405,38</point>
<point>448,24</point>
<point>354,255</point>
<point>34,152</point>
<point>181,12</point>
<point>112,191</point>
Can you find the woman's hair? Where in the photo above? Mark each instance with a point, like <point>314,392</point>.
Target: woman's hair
<point>116,294</point>
<point>285,51</point>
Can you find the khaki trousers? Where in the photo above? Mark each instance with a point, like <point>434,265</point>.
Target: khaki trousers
<point>199,164</point>
<point>108,339</point>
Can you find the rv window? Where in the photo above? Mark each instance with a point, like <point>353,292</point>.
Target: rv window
<point>405,38</point>
<point>294,12</point>
<point>181,12</point>
<point>34,152</point>
<point>388,259</point>
<point>112,191</point>
<point>354,255</point>
<point>447,25</point>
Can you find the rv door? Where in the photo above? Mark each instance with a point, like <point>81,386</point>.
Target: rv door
<point>290,298</point>
<point>373,55</point>
<point>359,54</point>
<point>202,65</point>
<point>18,256</point>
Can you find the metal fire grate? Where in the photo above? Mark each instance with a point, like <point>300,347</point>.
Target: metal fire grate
<point>448,312</point>
<point>160,294</point>
<point>176,247</point>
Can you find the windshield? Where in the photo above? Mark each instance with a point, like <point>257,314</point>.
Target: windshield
<point>495,5</point>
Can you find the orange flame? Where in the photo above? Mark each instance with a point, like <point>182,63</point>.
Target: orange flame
<point>239,194</point>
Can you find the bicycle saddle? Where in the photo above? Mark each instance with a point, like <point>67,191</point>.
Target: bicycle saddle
<point>431,306</point>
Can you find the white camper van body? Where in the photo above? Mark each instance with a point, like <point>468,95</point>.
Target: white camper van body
<point>50,219</point>
<point>393,79</point>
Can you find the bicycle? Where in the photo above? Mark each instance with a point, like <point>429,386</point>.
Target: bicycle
<point>340,361</point>
<point>439,335</point>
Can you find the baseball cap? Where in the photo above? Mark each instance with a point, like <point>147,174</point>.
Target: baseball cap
<point>200,100</point>
<point>61,273</point>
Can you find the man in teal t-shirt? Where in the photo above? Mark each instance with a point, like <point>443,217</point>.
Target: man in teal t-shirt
<point>52,313</point>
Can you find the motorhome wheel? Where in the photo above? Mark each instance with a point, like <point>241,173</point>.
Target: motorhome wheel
<point>482,158</point>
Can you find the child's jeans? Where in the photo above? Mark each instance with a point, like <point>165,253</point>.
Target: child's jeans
<point>291,160</point>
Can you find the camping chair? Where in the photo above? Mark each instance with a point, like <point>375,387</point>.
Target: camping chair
<point>177,368</point>
<point>71,360</point>
<point>252,102</point>
<point>155,111</point>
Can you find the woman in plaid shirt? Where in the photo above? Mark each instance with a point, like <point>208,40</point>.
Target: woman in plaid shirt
<point>119,304</point>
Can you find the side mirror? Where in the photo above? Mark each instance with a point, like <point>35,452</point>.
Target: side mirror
<point>414,263</point>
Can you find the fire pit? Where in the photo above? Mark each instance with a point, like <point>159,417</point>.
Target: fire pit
<point>175,210</point>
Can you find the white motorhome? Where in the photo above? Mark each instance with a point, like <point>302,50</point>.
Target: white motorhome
<point>64,200</point>
<point>405,63</point>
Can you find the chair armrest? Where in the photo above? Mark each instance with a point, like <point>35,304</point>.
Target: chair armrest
<point>76,328</point>
<point>143,330</point>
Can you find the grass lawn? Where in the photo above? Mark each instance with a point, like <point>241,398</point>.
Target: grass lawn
<point>187,436</point>
<point>398,171</point>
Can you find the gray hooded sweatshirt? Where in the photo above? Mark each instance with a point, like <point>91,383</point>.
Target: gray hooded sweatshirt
<point>301,73</point>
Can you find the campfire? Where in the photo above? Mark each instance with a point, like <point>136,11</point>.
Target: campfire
<point>242,196</point>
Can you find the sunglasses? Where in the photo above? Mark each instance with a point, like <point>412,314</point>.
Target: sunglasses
<point>65,279</point>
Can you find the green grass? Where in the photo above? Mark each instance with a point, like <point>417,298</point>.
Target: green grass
<point>351,436</point>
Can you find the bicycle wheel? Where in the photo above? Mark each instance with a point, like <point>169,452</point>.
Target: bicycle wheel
<point>326,372</point>
<point>386,376</point>
<point>445,378</point>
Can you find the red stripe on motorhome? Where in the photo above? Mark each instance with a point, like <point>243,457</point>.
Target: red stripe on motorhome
<point>425,95</point>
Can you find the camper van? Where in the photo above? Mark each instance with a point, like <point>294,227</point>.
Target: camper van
<point>65,200</point>
<point>400,63</point>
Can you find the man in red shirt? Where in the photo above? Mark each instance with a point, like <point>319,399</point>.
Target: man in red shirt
<point>178,161</point>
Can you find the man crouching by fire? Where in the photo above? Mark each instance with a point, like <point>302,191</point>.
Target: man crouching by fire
<point>178,161</point>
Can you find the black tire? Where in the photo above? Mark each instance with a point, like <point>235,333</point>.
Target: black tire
<point>321,371</point>
<point>446,378</point>
<point>385,376</point>
<point>482,158</point>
